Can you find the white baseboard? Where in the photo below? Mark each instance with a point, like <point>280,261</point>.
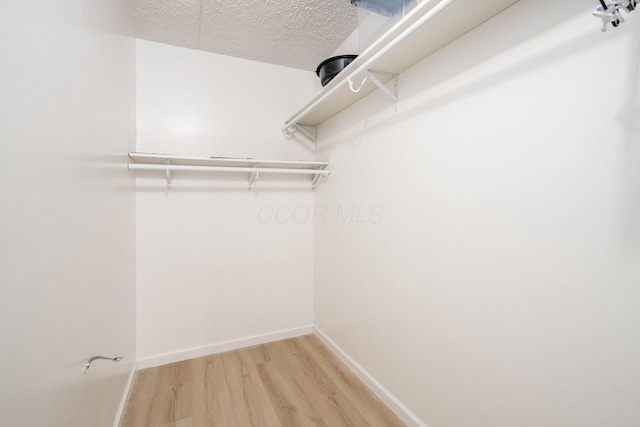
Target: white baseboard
<point>408,417</point>
<point>125,395</point>
<point>221,347</point>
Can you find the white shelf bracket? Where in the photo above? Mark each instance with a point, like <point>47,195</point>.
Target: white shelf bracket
<point>310,132</point>
<point>169,177</point>
<point>316,178</point>
<point>253,177</point>
<point>289,131</point>
<point>391,93</point>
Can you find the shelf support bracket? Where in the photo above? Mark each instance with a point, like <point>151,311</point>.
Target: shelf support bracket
<point>169,177</point>
<point>310,132</point>
<point>317,178</point>
<point>289,131</point>
<point>393,94</point>
<point>253,177</point>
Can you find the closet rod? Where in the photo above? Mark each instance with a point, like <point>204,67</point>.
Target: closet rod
<point>138,166</point>
<point>367,64</point>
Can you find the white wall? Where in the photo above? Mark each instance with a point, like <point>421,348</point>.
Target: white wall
<point>500,285</point>
<point>214,263</point>
<point>67,210</point>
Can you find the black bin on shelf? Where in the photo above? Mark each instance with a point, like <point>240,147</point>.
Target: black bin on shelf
<point>329,68</point>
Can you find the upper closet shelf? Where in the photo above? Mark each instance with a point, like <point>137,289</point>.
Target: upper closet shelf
<point>430,26</point>
<point>170,163</point>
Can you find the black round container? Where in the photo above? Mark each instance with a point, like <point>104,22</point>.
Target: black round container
<point>329,68</point>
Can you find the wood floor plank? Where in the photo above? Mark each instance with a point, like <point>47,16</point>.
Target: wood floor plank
<point>291,383</point>
<point>249,398</point>
<point>327,397</point>
<point>259,354</point>
<point>219,406</point>
<point>138,410</point>
<point>187,422</point>
<point>172,393</point>
<point>289,399</point>
<point>376,413</point>
<point>137,413</point>
<point>257,393</point>
<point>144,384</point>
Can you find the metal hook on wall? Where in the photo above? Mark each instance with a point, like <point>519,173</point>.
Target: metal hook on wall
<point>88,364</point>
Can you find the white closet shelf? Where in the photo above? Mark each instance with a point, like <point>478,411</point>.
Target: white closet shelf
<point>254,167</point>
<point>432,25</point>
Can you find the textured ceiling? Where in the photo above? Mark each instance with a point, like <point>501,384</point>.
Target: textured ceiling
<point>293,33</point>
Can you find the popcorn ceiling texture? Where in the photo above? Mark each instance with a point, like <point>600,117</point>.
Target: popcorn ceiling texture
<point>293,33</point>
<point>167,21</point>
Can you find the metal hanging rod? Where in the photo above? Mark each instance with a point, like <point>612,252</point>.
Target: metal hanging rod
<point>366,65</point>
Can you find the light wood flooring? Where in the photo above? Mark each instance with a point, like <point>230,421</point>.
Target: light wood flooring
<point>296,382</point>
